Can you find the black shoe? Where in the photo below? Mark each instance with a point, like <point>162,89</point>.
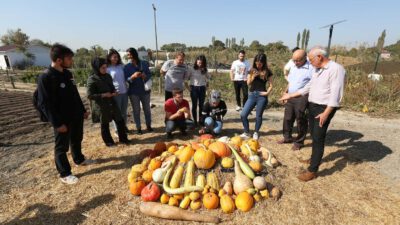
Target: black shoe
<point>110,144</point>
<point>149,129</point>
<point>184,132</point>
<point>139,132</point>
<point>169,135</point>
<point>126,142</point>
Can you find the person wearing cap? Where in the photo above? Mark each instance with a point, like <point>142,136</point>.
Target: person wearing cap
<point>177,114</point>
<point>260,82</point>
<point>212,115</point>
<point>101,90</point>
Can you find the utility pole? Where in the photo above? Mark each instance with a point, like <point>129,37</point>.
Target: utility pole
<point>155,31</point>
<point>330,34</point>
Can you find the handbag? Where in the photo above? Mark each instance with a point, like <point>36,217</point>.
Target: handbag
<point>147,85</point>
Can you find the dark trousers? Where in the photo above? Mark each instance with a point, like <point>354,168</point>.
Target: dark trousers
<point>318,134</point>
<point>183,125</point>
<point>105,131</point>
<point>295,109</point>
<point>73,137</point>
<point>198,95</point>
<point>240,85</point>
<point>168,95</point>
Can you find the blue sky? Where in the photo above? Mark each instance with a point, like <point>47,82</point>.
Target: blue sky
<point>126,23</point>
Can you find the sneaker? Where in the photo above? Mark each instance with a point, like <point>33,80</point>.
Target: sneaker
<point>245,135</point>
<point>238,108</point>
<point>126,142</point>
<point>139,132</point>
<point>87,162</point>
<point>71,179</point>
<point>255,136</point>
<point>169,135</point>
<point>116,134</point>
<point>184,132</point>
<point>150,129</point>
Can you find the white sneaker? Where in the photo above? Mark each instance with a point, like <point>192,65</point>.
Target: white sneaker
<point>71,179</point>
<point>87,162</point>
<point>255,136</point>
<point>238,108</point>
<point>245,135</point>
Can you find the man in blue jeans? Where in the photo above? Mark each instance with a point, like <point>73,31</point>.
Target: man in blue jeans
<point>212,115</point>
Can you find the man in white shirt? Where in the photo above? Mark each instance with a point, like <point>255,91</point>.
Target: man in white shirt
<point>325,93</point>
<point>239,71</point>
<point>290,64</point>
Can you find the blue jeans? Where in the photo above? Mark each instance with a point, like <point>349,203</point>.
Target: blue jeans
<point>183,125</point>
<point>145,100</point>
<point>254,100</point>
<point>212,126</point>
<point>198,95</point>
<point>122,103</point>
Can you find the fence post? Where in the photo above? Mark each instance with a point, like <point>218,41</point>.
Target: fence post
<point>11,79</point>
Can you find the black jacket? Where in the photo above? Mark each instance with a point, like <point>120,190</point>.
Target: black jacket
<point>214,112</point>
<point>58,93</point>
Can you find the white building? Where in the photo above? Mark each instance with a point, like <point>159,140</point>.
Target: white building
<point>10,56</point>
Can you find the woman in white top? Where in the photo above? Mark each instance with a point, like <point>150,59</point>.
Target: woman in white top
<point>115,68</point>
<point>198,78</point>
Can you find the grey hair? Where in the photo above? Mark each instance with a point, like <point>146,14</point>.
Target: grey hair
<point>318,50</point>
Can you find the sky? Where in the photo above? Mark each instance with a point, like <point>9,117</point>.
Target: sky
<point>130,23</point>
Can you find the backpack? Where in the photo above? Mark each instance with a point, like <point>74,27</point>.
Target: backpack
<point>35,101</point>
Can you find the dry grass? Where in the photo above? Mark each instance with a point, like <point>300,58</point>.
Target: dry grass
<point>348,191</point>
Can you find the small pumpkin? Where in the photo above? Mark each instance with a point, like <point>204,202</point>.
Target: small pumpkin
<point>227,162</point>
<point>256,166</point>
<point>173,201</point>
<point>205,137</point>
<point>151,192</point>
<point>173,148</point>
<point>194,205</point>
<point>207,142</point>
<point>259,183</point>
<point>186,154</point>
<point>132,176</point>
<point>204,158</point>
<point>220,149</point>
<point>210,200</point>
<point>159,147</point>
<point>227,204</point>
<point>147,175</point>
<point>244,201</point>
<point>155,163</point>
<point>164,198</point>
<point>254,144</point>
<point>236,140</point>
<point>194,195</point>
<point>136,187</point>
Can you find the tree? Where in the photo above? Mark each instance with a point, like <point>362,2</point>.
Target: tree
<point>298,40</point>
<point>242,43</point>
<point>307,39</point>
<point>141,48</point>
<point>379,48</point>
<point>212,40</point>
<point>39,42</point>
<point>255,45</point>
<point>218,45</point>
<point>276,47</point>
<point>303,40</point>
<point>20,40</point>
<point>172,47</point>
<point>227,42</point>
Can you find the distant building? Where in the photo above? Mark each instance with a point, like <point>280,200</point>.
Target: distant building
<point>10,56</point>
<point>385,54</point>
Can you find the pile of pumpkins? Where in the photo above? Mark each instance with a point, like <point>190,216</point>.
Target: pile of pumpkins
<point>167,174</point>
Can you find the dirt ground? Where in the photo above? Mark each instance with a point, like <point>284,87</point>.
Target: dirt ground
<point>358,183</point>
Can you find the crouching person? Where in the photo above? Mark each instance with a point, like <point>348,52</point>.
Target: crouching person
<point>177,114</point>
<point>101,90</point>
<point>212,115</point>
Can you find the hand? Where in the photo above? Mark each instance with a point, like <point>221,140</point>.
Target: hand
<point>143,75</point>
<point>322,118</point>
<point>136,75</point>
<point>114,93</point>
<point>106,95</point>
<point>202,131</point>
<point>62,129</point>
<point>284,97</point>
<point>86,115</point>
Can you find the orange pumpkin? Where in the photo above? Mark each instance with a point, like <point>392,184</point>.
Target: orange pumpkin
<point>159,147</point>
<point>210,201</point>
<point>137,186</point>
<point>244,201</point>
<point>204,159</point>
<point>147,175</point>
<point>196,145</point>
<point>236,140</point>
<point>207,142</point>
<point>186,154</point>
<point>220,149</point>
<point>205,137</point>
<point>173,148</point>
<point>155,163</point>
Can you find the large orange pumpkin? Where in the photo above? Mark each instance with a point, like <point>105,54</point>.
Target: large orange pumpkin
<point>136,187</point>
<point>204,159</point>
<point>210,201</point>
<point>220,149</point>
<point>244,201</point>
<point>205,137</point>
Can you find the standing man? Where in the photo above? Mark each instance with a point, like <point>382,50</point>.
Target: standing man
<point>325,93</point>
<point>177,114</point>
<point>59,99</point>
<point>295,108</point>
<point>239,71</point>
<point>175,72</point>
<point>289,64</point>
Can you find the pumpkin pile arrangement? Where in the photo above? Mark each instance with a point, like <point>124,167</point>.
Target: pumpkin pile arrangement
<point>185,176</point>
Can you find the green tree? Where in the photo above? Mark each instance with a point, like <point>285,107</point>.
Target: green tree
<point>172,47</point>
<point>303,39</point>
<point>20,40</point>
<point>141,48</point>
<point>219,45</point>
<point>307,39</point>
<point>298,40</point>
<point>242,43</point>
<point>379,48</point>
<point>255,45</point>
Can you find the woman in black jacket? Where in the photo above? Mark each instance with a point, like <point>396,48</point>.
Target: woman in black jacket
<point>101,90</point>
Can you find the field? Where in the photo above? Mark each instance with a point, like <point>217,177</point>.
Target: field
<point>358,181</point>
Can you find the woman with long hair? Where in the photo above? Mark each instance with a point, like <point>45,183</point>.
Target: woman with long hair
<point>137,73</point>
<point>198,78</point>
<point>116,69</point>
<point>260,82</point>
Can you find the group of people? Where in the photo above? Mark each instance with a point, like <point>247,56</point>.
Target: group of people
<point>315,86</point>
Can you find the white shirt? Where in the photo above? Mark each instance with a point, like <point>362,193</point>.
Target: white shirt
<point>326,85</point>
<point>290,64</point>
<point>197,78</point>
<point>240,69</point>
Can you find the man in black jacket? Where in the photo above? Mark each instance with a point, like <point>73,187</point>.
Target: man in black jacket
<point>59,98</point>
<point>212,115</point>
